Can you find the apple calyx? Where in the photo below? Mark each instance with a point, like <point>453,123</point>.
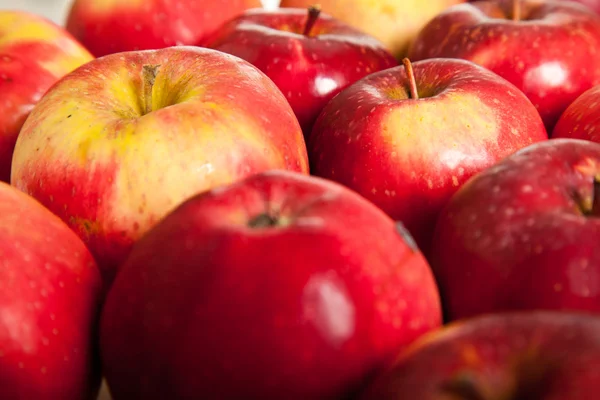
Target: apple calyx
<point>149,73</point>
<point>264,220</point>
<point>313,15</point>
<point>463,387</point>
<point>516,10</point>
<point>412,82</point>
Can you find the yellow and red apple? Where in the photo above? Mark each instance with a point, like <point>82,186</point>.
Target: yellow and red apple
<point>119,142</point>
<point>34,54</point>
<point>393,22</point>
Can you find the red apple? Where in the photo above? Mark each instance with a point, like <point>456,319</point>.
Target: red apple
<point>581,120</point>
<point>121,141</point>
<point>34,54</point>
<point>310,57</point>
<point>281,286</point>
<point>548,49</point>
<point>531,355</point>
<point>523,234</point>
<point>407,150</point>
<point>106,27</point>
<point>49,305</point>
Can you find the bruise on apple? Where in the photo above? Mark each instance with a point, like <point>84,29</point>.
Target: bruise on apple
<point>541,355</point>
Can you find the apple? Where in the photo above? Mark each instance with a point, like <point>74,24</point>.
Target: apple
<point>278,286</point>
<point>581,119</point>
<point>107,27</point>
<point>523,234</point>
<point>408,137</point>
<point>34,54</point>
<point>593,4</point>
<point>548,49</point>
<point>118,143</point>
<point>327,55</point>
<point>519,355</point>
<point>395,23</point>
<point>50,292</point>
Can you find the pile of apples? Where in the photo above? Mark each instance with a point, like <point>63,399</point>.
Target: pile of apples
<point>352,200</point>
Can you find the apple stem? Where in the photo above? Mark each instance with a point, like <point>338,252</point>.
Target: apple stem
<point>313,16</point>
<point>149,72</point>
<point>412,82</point>
<point>516,10</point>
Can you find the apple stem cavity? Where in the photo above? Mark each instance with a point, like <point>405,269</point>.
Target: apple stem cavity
<point>412,82</point>
<point>313,16</point>
<point>516,10</point>
<point>149,73</point>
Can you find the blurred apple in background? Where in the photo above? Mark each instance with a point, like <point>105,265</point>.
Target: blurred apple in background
<point>581,120</point>
<point>533,355</point>
<point>408,141</point>
<point>115,26</point>
<point>310,56</point>
<point>524,234</point>
<point>280,286</point>
<point>50,294</point>
<point>393,22</point>
<point>549,49</point>
<point>34,54</point>
<point>118,143</point>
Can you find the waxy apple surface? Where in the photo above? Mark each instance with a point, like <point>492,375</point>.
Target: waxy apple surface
<point>278,286</point>
<point>113,147</point>
<point>50,294</point>
<point>107,27</point>
<point>531,355</point>
<point>308,68</point>
<point>524,234</point>
<point>551,53</point>
<point>34,54</point>
<point>408,155</point>
<point>581,120</point>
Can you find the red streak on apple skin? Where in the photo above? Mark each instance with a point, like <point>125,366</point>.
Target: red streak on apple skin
<point>309,71</point>
<point>49,300</point>
<point>152,24</point>
<point>23,81</point>
<point>581,120</point>
<point>534,355</point>
<point>80,197</point>
<point>310,309</point>
<point>515,237</point>
<point>553,56</point>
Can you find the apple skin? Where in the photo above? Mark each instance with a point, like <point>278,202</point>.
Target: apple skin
<point>332,57</point>
<point>50,292</point>
<point>107,27</point>
<point>308,308</point>
<point>581,120</point>
<point>523,234</point>
<point>552,57</point>
<point>520,355</point>
<point>91,154</point>
<point>408,156</point>
<point>34,54</point>
<point>395,23</point>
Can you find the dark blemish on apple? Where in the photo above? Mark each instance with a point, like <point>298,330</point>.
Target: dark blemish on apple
<point>69,116</point>
<point>406,236</point>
